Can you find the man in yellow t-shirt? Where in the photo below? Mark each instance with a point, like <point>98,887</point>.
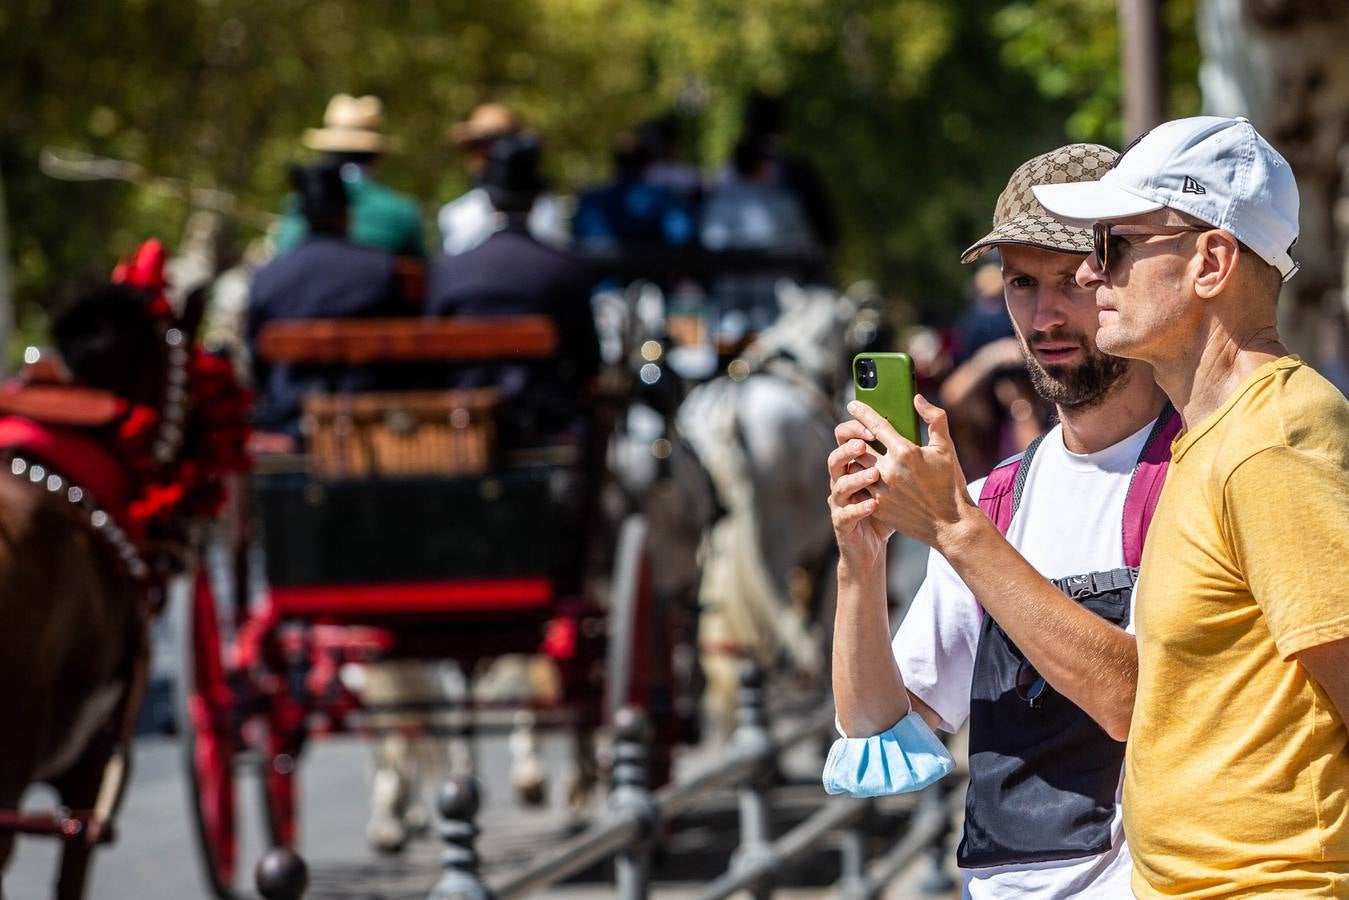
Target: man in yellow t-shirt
<point>1237,768</point>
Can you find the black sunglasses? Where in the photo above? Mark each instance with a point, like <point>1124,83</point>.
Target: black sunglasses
<point>1030,685</point>
<point>1105,234</point>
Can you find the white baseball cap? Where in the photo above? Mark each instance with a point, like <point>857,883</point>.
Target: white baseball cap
<point>1217,169</point>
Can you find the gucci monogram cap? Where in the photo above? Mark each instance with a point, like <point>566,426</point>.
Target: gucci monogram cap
<point>1019,218</point>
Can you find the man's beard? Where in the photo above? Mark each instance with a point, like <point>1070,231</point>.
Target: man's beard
<point>1079,385</point>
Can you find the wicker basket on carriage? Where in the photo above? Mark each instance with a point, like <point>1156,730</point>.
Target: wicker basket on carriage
<point>401,434</point>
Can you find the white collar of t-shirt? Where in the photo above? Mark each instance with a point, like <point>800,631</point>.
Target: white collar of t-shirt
<point>1072,507</point>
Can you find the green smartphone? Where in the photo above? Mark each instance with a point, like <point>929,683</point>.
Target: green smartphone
<point>884,381</point>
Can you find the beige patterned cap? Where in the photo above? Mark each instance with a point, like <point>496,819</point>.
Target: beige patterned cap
<point>1020,219</point>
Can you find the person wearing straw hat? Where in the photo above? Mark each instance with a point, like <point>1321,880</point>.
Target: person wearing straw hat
<point>512,273</point>
<point>325,276</point>
<point>471,219</point>
<point>352,141</point>
<point>1022,626</point>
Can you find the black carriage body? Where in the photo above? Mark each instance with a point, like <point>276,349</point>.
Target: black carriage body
<point>510,524</point>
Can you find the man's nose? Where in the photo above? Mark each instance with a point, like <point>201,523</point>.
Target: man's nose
<point>1050,308</point>
<point>1090,273</point>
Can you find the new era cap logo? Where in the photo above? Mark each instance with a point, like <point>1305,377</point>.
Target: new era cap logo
<point>1192,187</point>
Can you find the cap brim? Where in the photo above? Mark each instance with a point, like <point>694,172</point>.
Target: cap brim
<point>1041,232</point>
<point>1084,203</point>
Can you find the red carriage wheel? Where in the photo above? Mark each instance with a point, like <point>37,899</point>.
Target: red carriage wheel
<point>210,737</point>
<point>629,596</point>
<point>641,646</point>
<point>277,776</point>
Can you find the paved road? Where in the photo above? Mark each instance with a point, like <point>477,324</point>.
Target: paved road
<point>155,856</point>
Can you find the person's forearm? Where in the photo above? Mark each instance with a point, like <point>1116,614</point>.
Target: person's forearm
<point>1090,661</point>
<point>869,693</point>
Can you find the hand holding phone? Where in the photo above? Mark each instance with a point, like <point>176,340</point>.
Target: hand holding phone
<point>884,381</point>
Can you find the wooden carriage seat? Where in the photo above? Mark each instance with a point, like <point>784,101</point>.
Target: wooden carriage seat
<point>350,546</point>
<point>365,341</point>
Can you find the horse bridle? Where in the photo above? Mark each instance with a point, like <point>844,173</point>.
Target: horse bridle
<point>82,503</point>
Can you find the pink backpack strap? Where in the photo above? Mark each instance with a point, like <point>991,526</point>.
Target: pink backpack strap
<point>1149,474</point>
<point>1001,493</point>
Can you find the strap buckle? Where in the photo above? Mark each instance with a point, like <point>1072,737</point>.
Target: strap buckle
<point>1078,587</point>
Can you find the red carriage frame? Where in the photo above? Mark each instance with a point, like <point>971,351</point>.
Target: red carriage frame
<point>261,688</point>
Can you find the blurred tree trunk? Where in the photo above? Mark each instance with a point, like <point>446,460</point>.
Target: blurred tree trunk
<point>1283,64</point>
<point>6,284</point>
<point>1143,53</point>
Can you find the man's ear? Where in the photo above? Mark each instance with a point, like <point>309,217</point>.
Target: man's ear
<point>1217,253</point>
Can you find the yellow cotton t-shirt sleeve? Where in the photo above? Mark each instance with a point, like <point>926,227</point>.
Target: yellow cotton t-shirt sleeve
<point>1293,533</point>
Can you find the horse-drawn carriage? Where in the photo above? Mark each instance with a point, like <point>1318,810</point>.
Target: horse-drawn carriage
<point>408,534</point>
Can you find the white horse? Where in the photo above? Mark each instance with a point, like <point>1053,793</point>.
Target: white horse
<point>764,432</point>
<point>734,482</point>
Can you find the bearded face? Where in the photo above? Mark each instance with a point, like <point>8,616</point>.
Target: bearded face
<point>1055,321</point>
<point>1079,382</point>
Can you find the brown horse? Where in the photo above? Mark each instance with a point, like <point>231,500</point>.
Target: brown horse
<point>74,614</point>
<point>67,657</point>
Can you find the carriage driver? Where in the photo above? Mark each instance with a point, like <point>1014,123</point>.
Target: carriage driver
<point>1029,637</point>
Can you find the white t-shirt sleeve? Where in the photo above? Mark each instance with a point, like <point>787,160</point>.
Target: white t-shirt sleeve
<point>936,643</point>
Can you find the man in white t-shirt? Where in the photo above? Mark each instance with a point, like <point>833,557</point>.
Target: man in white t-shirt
<point>1026,637</point>
<point>469,220</point>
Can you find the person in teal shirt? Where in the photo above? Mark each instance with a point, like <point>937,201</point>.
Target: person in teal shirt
<point>379,217</point>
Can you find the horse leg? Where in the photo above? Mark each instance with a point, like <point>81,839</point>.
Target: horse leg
<point>389,787</point>
<point>527,776</point>
<point>9,799</point>
<point>80,789</point>
<point>720,663</point>
<point>587,772</point>
<point>385,683</point>
<point>11,791</point>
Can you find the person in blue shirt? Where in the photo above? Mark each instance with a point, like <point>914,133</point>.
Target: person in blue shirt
<point>513,273</point>
<point>325,276</point>
<point>631,210</point>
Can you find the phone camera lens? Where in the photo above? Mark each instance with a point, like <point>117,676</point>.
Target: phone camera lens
<point>866,373</point>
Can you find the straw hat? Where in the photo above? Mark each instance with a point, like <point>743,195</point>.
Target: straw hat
<point>350,125</point>
<point>1020,219</point>
<point>488,120</point>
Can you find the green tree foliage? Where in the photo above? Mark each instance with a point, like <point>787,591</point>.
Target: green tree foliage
<point>1071,49</point>
<point>914,110</point>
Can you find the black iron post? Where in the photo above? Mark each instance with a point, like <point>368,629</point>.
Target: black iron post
<point>458,803</point>
<point>632,796</point>
<point>938,879</point>
<point>752,738</point>
<point>852,882</point>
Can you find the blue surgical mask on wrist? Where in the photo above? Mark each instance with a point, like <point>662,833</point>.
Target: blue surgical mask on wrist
<point>908,757</point>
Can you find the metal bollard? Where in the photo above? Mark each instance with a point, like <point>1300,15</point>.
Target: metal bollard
<point>753,738</point>
<point>458,803</point>
<point>632,865</point>
<point>852,882</point>
<point>938,880</point>
<point>281,875</point>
